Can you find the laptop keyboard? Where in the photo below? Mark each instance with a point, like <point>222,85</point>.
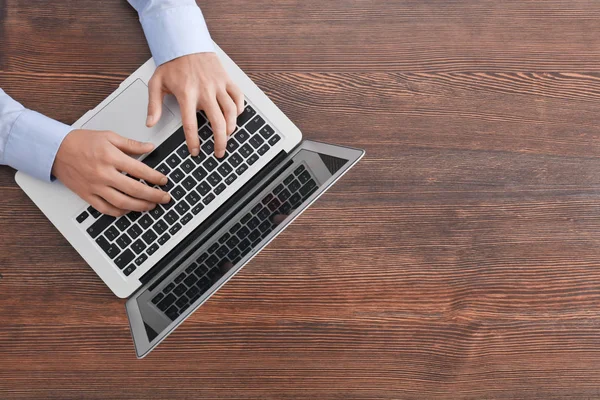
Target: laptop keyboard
<point>194,182</point>
<point>241,237</point>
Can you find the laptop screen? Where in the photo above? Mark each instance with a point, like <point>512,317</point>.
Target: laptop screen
<point>165,305</point>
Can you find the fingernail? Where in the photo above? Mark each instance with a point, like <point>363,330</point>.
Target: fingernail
<point>195,151</point>
<point>166,198</point>
<point>163,181</point>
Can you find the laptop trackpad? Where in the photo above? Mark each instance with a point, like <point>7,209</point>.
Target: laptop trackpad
<point>126,115</point>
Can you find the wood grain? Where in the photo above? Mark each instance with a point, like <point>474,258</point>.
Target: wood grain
<point>459,259</point>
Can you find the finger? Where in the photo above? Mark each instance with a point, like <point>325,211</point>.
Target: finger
<point>138,190</point>
<point>130,146</point>
<point>103,206</point>
<point>279,218</point>
<point>155,99</point>
<point>217,122</point>
<point>124,202</point>
<point>140,170</point>
<point>237,96</point>
<point>229,111</point>
<point>190,124</point>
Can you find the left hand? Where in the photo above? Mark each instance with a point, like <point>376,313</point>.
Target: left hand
<point>198,81</point>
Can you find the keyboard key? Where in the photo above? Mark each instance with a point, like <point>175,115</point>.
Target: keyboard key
<point>252,159</point>
<point>100,225</point>
<point>188,165</point>
<point>233,241</point>
<point>166,302</point>
<point>234,228</point>
<point>256,208</point>
<point>245,116</point>
<point>197,209</point>
<point>288,179</point>
<point>173,160</point>
<point>179,278</point>
<point>112,233</point>
<point>254,124</point>
<point>111,250</point>
<point>214,247</point>
<point>192,293</point>
<point>93,212</point>
<point>199,158</point>
<point>242,135</point>
<point>160,226</point>
<point>210,164</point>
<point>246,150</point>
<point>267,199</point>
<point>299,170</point>
<point>242,233</point>
<point>241,169</point>
<point>179,290</point>
<point>182,207</point>
<point>127,271</point>
<point>295,198</point>
<point>224,169</point>
<point>208,147</point>
<point>274,140</point>
<point>191,268</point>
<point>174,229</point>
<point>295,185</point>
<point>124,259</point>
<point>189,183</point>
<point>244,245</point>
<point>134,231</point>
<point>182,302</point>
<point>156,213</point>
<point>140,260</point>
<point>145,222</point>
<point>304,177</point>
<point>157,298</point>
<point>310,185</point>
<point>163,239</point>
<point>168,288</point>
<point>193,197</point>
<point>278,188</point>
<point>208,199</point>
<point>172,313</point>
<point>211,261</point>
<point>274,205</point>
<point>138,246</point>
<point>263,150</point>
<point>267,131</point>
<point>178,192</point>
<point>152,249</point>
<point>203,188</point>
<point>232,145</point>
<point>214,179</point>
<point>201,118</point>
<point>224,238</point>
<point>183,151</point>
<point>246,218</point>
<point>176,176</point>
<point>199,173</point>
<point>149,236</point>
<point>205,132</point>
<point>219,189</point>
<point>222,252</point>
<point>82,217</point>
<point>235,160</point>
<point>256,141</point>
<point>283,196</point>
<point>168,186</point>
<point>123,241</point>
<point>186,218</point>
<point>171,217</point>
<point>191,280</point>
<point>134,215</point>
<point>163,169</point>
<point>253,223</point>
<point>263,214</point>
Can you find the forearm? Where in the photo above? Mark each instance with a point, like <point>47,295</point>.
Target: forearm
<point>28,140</point>
<point>173,28</point>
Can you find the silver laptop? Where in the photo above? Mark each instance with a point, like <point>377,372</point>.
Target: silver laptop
<point>170,260</point>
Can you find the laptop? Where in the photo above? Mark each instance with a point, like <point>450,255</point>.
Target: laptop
<point>168,261</point>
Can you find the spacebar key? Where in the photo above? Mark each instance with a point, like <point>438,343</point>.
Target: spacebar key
<point>100,225</point>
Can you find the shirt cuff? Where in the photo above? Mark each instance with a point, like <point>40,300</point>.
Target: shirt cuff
<point>33,143</point>
<point>176,32</point>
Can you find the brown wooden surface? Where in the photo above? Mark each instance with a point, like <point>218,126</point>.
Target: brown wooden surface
<point>459,259</point>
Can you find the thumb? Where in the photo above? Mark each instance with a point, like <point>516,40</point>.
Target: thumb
<point>155,97</point>
<point>130,146</point>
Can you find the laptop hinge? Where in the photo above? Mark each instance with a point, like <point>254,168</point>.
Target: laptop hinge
<point>230,207</point>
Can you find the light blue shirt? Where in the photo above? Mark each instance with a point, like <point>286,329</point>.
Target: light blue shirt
<point>29,140</point>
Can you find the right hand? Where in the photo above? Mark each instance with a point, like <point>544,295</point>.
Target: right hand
<point>90,164</point>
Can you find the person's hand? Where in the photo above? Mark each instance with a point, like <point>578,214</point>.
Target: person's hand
<point>90,164</point>
<point>199,82</point>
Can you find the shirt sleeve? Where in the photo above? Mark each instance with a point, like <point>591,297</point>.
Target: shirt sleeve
<point>173,28</point>
<point>29,140</point>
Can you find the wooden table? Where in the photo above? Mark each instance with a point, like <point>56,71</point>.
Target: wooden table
<point>459,259</point>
